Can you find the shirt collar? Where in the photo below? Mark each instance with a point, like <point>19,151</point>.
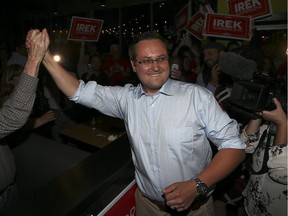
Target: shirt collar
<point>167,89</point>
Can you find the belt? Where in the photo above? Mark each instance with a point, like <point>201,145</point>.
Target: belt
<point>194,206</point>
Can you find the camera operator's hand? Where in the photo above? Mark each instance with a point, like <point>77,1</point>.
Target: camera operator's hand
<point>277,115</point>
<point>214,75</point>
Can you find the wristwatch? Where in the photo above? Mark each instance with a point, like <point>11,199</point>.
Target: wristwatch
<point>201,187</point>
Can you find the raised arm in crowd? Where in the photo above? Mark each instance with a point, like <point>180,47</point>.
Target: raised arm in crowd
<point>16,110</point>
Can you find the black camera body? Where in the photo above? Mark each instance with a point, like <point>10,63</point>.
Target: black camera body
<point>256,95</point>
<point>251,96</point>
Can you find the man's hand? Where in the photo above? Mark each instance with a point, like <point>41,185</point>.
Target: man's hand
<point>37,43</point>
<point>277,115</point>
<point>180,195</point>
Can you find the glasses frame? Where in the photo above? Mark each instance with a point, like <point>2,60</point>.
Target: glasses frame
<point>149,61</point>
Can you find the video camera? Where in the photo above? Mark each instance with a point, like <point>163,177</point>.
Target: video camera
<point>256,95</point>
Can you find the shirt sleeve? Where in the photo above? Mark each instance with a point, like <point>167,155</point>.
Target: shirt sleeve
<point>222,131</point>
<point>16,110</point>
<point>277,163</point>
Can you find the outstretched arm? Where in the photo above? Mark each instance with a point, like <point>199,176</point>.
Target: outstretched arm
<point>16,110</point>
<point>65,81</point>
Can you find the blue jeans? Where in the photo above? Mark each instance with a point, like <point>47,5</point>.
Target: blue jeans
<point>9,197</point>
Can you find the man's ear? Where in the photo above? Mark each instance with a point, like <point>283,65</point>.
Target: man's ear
<point>133,65</point>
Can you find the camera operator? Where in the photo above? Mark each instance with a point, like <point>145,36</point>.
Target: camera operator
<point>266,191</point>
<point>233,68</point>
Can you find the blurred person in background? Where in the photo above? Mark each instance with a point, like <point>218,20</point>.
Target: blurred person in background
<point>117,66</point>
<point>19,56</point>
<point>208,77</point>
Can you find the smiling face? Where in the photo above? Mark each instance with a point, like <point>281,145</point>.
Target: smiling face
<point>211,56</point>
<point>152,76</point>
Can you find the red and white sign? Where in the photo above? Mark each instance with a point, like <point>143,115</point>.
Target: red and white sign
<point>195,25</point>
<point>123,204</point>
<point>227,26</point>
<point>85,29</point>
<point>181,18</point>
<point>253,8</point>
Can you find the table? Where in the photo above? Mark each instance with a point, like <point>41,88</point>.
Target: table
<point>98,132</point>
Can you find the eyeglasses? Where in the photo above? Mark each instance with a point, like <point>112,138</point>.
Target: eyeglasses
<point>148,62</point>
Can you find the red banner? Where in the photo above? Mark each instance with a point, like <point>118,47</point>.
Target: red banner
<point>227,26</point>
<point>181,18</point>
<point>252,8</point>
<point>123,204</point>
<point>195,25</point>
<point>85,29</point>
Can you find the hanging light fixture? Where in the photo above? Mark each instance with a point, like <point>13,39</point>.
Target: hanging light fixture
<point>103,3</point>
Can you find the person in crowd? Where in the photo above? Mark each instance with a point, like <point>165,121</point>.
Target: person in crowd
<point>191,64</point>
<point>19,56</point>
<point>163,136</point>
<point>266,140</point>
<point>42,117</point>
<point>188,52</point>
<point>267,67</point>
<point>208,77</point>
<point>117,66</point>
<point>85,56</point>
<point>176,71</point>
<point>95,71</point>
<point>15,112</point>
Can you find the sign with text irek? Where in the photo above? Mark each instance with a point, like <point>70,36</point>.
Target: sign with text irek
<point>181,18</point>
<point>86,29</point>
<point>195,25</point>
<point>227,26</point>
<point>253,8</point>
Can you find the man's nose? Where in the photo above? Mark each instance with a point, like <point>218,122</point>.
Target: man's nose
<point>155,65</point>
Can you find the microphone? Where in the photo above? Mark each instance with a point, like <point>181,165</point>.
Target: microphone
<point>237,66</point>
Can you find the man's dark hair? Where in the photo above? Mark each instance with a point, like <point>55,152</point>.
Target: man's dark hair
<point>150,35</point>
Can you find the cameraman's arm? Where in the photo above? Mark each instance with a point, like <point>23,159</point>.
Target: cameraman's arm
<point>281,133</point>
<point>253,126</point>
<point>250,135</point>
<point>279,117</point>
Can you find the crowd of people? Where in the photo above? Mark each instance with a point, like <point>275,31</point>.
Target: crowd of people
<point>179,115</point>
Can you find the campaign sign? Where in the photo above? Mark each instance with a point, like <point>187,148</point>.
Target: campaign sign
<point>85,29</point>
<point>195,25</point>
<point>227,26</point>
<point>181,18</point>
<point>123,204</point>
<point>253,8</point>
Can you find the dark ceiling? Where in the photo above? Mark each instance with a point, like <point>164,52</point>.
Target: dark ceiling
<point>18,9</point>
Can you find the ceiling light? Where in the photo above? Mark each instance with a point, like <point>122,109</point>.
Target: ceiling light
<point>103,3</point>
